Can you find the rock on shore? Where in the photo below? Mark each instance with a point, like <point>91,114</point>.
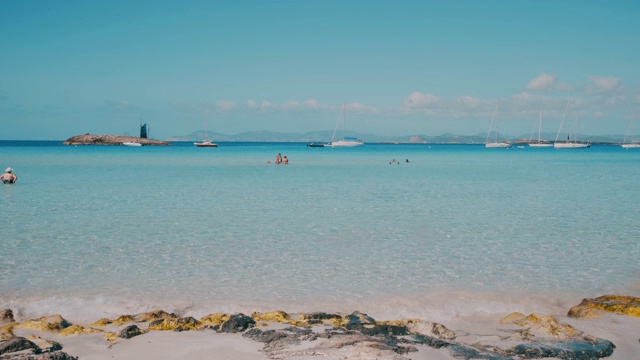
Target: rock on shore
<point>298,336</point>
<point>93,139</point>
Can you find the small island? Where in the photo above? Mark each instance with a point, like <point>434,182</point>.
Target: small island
<point>92,139</point>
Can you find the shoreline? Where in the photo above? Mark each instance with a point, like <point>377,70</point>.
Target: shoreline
<point>597,325</point>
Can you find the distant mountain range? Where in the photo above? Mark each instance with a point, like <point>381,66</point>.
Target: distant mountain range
<point>315,136</point>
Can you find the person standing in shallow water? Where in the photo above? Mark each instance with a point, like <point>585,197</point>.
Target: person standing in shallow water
<point>278,158</point>
<point>8,177</point>
<point>285,160</point>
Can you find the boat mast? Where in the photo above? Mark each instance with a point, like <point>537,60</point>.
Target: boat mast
<point>563,115</point>
<point>539,126</point>
<point>338,122</point>
<point>206,124</point>
<point>344,120</point>
<point>627,133</point>
<point>495,111</point>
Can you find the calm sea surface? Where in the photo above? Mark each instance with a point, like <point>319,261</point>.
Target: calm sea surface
<point>93,231</point>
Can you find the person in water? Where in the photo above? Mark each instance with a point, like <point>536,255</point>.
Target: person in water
<point>285,160</point>
<point>8,177</point>
<point>278,158</point>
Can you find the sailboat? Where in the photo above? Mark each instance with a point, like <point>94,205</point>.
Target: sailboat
<point>539,142</point>
<point>633,144</point>
<point>206,142</point>
<point>346,141</point>
<point>496,143</point>
<point>569,144</point>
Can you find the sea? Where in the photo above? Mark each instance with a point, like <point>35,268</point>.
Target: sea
<point>430,231</point>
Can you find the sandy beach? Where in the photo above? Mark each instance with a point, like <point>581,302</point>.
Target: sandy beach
<point>589,333</point>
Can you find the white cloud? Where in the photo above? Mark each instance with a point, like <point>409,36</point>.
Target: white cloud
<point>291,104</point>
<point>603,84</point>
<point>542,82</point>
<point>252,104</point>
<point>469,101</point>
<point>225,105</point>
<point>418,100</point>
<point>265,105</point>
<point>359,108</point>
<point>312,104</point>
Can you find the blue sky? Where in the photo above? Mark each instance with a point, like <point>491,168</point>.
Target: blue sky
<point>404,67</point>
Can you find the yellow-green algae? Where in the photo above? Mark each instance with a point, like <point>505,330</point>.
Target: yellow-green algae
<point>617,304</point>
<point>215,319</point>
<point>273,316</point>
<point>124,319</point>
<point>79,330</point>
<point>546,324</point>
<point>47,323</point>
<point>111,337</point>
<point>102,322</point>
<point>6,332</point>
<point>155,315</point>
<point>172,324</point>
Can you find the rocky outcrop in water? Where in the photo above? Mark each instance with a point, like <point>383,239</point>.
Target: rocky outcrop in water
<point>92,139</point>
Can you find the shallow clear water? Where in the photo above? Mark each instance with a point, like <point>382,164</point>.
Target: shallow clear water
<point>91,230</point>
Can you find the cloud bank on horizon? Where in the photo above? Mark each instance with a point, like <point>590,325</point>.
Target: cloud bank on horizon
<point>421,68</point>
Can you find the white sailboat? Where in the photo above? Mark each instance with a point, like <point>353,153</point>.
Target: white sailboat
<point>631,145</point>
<point>496,143</point>
<point>206,142</point>
<point>539,142</point>
<point>346,141</point>
<point>569,144</point>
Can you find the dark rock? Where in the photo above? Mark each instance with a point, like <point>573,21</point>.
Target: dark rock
<point>7,315</point>
<point>569,350</point>
<point>129,332</point>
<point>18,344</point>
<point>425,340</point>
<point>465,352</point>
<point>269,336</point>
<point>237,323</point>
<point>186,324</point>
<point>58,355</point>
<point>318,317</point>
<point>357,320</point>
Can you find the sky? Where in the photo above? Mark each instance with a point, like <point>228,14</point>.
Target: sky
<point>428,67</point>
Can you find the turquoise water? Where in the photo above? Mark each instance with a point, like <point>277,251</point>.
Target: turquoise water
<point>94,231</point>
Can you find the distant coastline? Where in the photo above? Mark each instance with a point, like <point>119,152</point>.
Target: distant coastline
<point>323,136</point>
<point>93,139</point>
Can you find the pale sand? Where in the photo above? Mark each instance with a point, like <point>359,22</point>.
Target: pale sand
<point>169,345</point>
<point>623,331</point>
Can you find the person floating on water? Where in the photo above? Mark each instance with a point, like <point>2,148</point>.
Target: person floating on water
<point>8,177</point>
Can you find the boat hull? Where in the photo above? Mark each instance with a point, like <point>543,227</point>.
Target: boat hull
<point>205,144</point>
<point>540,145</point>
<point>131,144</point>
<point>630,146</point>
<point>571,145</point>
<point>345,143</point>
<point>497,145</point>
